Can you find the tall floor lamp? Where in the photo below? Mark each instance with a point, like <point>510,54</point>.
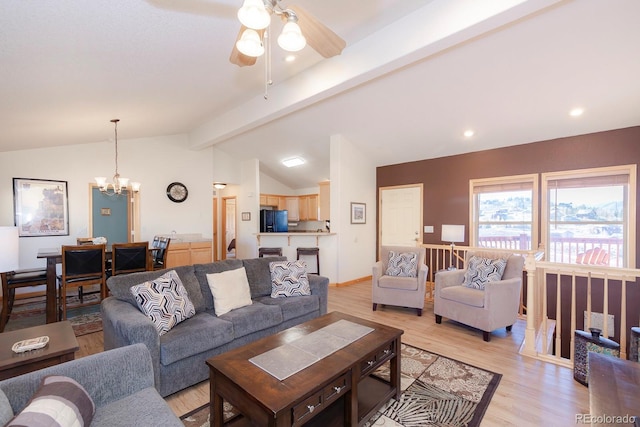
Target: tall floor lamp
<point>452,234</point>
<point>9,252</point>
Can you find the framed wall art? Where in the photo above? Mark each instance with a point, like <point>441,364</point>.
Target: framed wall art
<point>358,213</point>
<point>41,207</point>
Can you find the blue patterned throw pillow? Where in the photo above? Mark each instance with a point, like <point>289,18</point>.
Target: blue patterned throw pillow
<point>481,271</point>
<point>404,264</point>
<point>164,300</point>
<point>289,279</point>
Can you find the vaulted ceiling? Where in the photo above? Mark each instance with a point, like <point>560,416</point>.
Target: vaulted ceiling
<point>414,76</point>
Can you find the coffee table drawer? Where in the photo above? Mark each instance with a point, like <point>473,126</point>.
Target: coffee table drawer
<point>337,388</point>
<point>374,360</point>
<point>305,410</point>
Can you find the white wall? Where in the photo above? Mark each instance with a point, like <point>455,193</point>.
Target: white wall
<point>353,179</point>
<point>269,185</point>
<point>155,162</point>
<point>248,201</point>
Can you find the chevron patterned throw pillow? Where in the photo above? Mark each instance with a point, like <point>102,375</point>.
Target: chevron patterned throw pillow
<point>481,271</point>
<point>403,264</point>
<point>164,300</point>
<point>289,279</point>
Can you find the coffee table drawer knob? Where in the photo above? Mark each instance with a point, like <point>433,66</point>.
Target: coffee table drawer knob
<point>311,408</point>
<point>338,389</point>
<point>371,362</point>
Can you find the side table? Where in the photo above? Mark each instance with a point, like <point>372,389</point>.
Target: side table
<point>61,348</point>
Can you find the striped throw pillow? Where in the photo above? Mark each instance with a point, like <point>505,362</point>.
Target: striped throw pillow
<point>403,264</point>
<point>60,401</point>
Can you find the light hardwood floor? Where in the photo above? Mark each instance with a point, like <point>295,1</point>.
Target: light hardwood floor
<point>531,393</point>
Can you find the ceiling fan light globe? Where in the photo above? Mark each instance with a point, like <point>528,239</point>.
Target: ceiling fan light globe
<point>250,43</point>
<point>253,14</point>
<point>291,38</point>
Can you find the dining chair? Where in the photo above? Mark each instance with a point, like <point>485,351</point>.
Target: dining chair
<point>82,265</point>
<point>13,280</point>
<point>160,247</point>
<point>130,257</point>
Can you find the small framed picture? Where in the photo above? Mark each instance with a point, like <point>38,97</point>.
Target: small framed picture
<point>246,216</point>
<point>358,213</point>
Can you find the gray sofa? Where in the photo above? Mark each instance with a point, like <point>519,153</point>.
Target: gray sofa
<point>120,383</point>
<point>179,355</point>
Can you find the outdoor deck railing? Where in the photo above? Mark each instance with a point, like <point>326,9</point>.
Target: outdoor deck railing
<point>559,298</point>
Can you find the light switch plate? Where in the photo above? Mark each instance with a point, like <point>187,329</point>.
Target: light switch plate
<point>428,228</point>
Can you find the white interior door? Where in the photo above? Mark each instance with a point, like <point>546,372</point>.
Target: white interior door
<point>401,215</point>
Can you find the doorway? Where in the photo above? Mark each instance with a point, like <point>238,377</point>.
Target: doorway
<point>400,215</point>
<point>228,227</point>
<point>113,217</point>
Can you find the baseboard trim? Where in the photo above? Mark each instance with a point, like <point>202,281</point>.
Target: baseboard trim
<point>350,282</point>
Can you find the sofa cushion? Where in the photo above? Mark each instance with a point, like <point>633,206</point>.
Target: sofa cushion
<point>403,283</point>
<point>202,332</point>
<point>230,290</point>
<point>164,301</point>
<point>481,271</point>
<point>463,295</point>
<point>201,271</point>
<point>403,264</point>
<point>259,274</point>
<point>293,307</point>
<point>142,408</point>
<point>60,401</point>
<point>253,318</point>
<point>120,285</point>
<point>6,413</point>
<point>289,279</point>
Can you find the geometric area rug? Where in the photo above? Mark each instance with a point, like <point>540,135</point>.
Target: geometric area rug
<point>436,391</point>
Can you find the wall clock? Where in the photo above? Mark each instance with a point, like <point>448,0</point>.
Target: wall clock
<point>177,192</point>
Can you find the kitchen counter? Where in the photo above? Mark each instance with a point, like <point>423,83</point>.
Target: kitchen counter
<point>294,234</point>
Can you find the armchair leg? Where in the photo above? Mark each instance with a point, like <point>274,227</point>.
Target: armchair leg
<point>486,336</point>
<point>375,306</point>
<point>509,328</point>
<point>419,311</point>
<point>438,319</point>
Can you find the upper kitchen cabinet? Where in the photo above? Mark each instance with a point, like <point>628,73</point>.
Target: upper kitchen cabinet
<point>293,208</point>
<point>324,199</point>
<point>308,205</point>
<point>270,200</point>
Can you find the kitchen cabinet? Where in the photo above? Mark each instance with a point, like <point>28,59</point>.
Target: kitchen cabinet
<point>189,253</point>
<point>270,200</point>
<point>293,208</point>
<point>324,199</point>
<point>308,206</point>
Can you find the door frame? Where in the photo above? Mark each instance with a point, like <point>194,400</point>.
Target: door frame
<point>223,228</point>
<point>133,216</point>
<point>395,187</point>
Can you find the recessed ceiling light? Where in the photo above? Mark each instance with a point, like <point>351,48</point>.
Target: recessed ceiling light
<point>294,161</point>
<point>468,133</point>
<point>290,58</point>
<point>576,112</point>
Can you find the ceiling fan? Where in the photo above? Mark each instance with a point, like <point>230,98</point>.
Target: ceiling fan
<point>300,28</point>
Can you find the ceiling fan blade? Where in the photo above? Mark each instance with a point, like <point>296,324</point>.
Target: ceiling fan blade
<point>237,57</point>
<point>319,36</point>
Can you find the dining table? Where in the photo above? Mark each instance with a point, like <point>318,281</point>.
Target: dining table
<point>54,257</point>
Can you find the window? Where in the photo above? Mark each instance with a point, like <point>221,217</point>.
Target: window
<point>504,213</point>
<point>587,216</point>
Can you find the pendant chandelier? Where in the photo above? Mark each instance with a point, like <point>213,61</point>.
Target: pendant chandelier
<point>119,184</point>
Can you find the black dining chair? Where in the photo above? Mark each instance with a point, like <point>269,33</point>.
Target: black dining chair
<point>13,280</point>
<point>82,265</point>
<point>160,247</point>
<point>130,257</point>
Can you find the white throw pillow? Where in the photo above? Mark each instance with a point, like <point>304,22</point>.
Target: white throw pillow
<point>230,290</point>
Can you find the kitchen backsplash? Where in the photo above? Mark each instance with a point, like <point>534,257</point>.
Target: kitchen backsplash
<point>307,226</point>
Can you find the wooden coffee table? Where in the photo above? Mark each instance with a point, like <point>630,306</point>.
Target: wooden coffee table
<point>61,348</point>
<point>336,390</point>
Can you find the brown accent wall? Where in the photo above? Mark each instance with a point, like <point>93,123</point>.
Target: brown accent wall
<point>446,188</point>
<point>446,179</point>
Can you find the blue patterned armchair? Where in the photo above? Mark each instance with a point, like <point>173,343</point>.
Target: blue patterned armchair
<point>400,277</point>
<point>496,306</point>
